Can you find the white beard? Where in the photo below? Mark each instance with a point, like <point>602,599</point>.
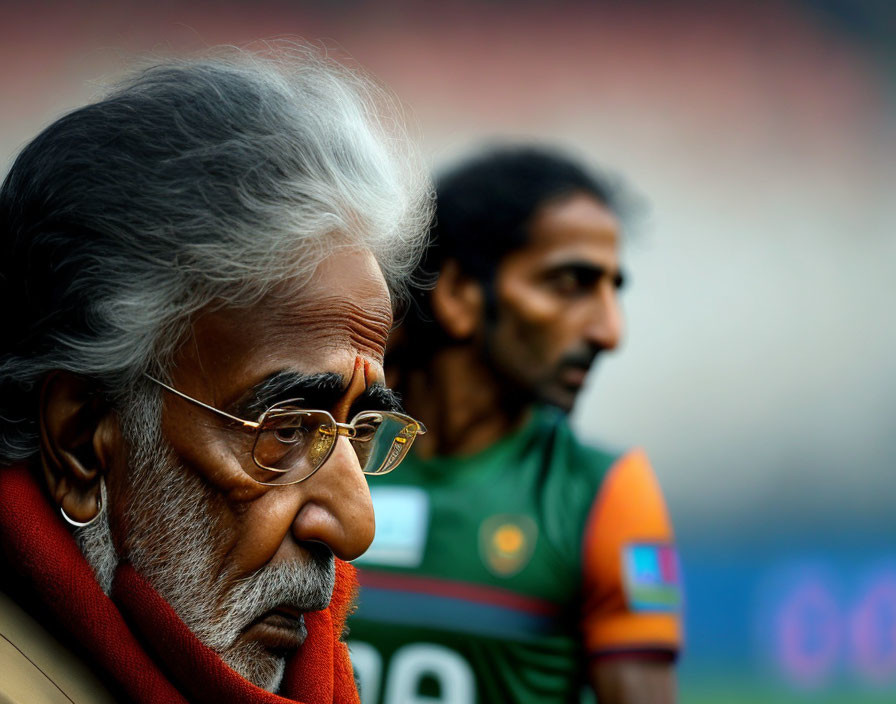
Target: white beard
<point>172,521</point>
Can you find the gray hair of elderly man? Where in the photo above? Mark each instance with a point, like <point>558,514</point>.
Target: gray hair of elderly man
<point>194,181</point>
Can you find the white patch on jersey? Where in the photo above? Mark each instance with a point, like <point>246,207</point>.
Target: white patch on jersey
<point>402,521</point>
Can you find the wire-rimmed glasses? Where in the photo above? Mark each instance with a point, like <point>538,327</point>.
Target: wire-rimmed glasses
<point>291,443</point>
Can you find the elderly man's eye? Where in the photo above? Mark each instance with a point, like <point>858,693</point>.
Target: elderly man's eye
<point>290,440</point>
<point>291,434</point>
<point>364,432</point>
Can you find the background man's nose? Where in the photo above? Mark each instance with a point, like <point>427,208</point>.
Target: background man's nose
<point>338,511</point>
<point>604,326</point>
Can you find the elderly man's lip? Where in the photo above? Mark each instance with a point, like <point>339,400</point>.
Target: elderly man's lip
<point>288,611</point>
<point>281,628</point>
<point>285,616</point>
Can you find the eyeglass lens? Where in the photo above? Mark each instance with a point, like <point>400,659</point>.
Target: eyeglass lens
<point>382,440</point>
<point>292,444</point>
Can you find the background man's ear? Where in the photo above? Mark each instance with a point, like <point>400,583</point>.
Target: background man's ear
<point>76,442</point>
<point>457,302</point>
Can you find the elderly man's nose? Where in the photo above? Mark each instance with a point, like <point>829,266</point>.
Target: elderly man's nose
<point>337,511</point>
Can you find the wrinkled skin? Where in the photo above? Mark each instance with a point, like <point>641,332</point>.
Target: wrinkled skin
<point>337,324</point>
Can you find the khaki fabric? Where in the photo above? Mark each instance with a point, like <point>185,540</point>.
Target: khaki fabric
<point>37,669</point>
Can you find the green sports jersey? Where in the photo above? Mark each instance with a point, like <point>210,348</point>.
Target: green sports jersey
<point>474,589</point>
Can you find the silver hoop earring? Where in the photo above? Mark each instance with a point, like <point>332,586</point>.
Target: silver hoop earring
<point>79,524</point>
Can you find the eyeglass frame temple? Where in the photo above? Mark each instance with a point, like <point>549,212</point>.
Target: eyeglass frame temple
<point>343,429</point>
<point>246,423</point>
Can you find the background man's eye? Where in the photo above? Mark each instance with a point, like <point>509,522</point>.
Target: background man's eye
<point>567,279</point>
<point>567,283</point>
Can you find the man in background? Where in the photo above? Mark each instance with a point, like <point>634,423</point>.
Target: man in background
<point>198,273</point>
<point>513,562</point>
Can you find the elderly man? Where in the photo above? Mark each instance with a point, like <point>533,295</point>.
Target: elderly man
<point>513,562</point>
<point>198,272</point>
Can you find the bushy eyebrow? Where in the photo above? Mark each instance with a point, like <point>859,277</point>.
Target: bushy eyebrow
<point>377,397</point>
<point>321,391</point>
<point>314,390</point>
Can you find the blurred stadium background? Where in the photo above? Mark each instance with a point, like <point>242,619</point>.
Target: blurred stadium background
<point>760,366</point>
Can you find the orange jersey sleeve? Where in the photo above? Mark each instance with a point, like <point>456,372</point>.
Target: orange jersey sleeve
<point>632,592</point>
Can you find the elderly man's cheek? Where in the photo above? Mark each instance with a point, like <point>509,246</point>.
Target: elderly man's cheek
<point>257,538</point>
<point>222,461</point>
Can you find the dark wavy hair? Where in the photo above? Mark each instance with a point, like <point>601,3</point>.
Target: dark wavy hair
<point>484,207</point>
<point>195,182</point>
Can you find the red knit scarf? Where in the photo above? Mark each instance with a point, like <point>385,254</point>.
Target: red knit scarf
<point>135,640</point>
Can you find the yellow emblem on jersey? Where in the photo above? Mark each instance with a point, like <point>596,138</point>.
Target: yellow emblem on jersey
<point>506,543</point>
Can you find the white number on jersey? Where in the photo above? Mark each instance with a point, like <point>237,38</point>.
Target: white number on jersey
<point>409,666</point>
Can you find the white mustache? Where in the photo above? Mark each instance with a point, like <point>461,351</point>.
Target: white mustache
<point>301,586</point>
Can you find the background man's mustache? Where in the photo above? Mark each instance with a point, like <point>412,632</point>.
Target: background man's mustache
<point>582,358</point>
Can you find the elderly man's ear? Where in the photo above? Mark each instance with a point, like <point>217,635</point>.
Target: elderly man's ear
<point>78,436</point>
<point>457,302</point>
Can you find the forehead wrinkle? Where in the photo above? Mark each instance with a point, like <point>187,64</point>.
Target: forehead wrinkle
<point>335,322</point>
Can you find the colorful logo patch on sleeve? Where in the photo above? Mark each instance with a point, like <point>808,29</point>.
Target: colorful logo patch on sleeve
<point>652,577</point>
